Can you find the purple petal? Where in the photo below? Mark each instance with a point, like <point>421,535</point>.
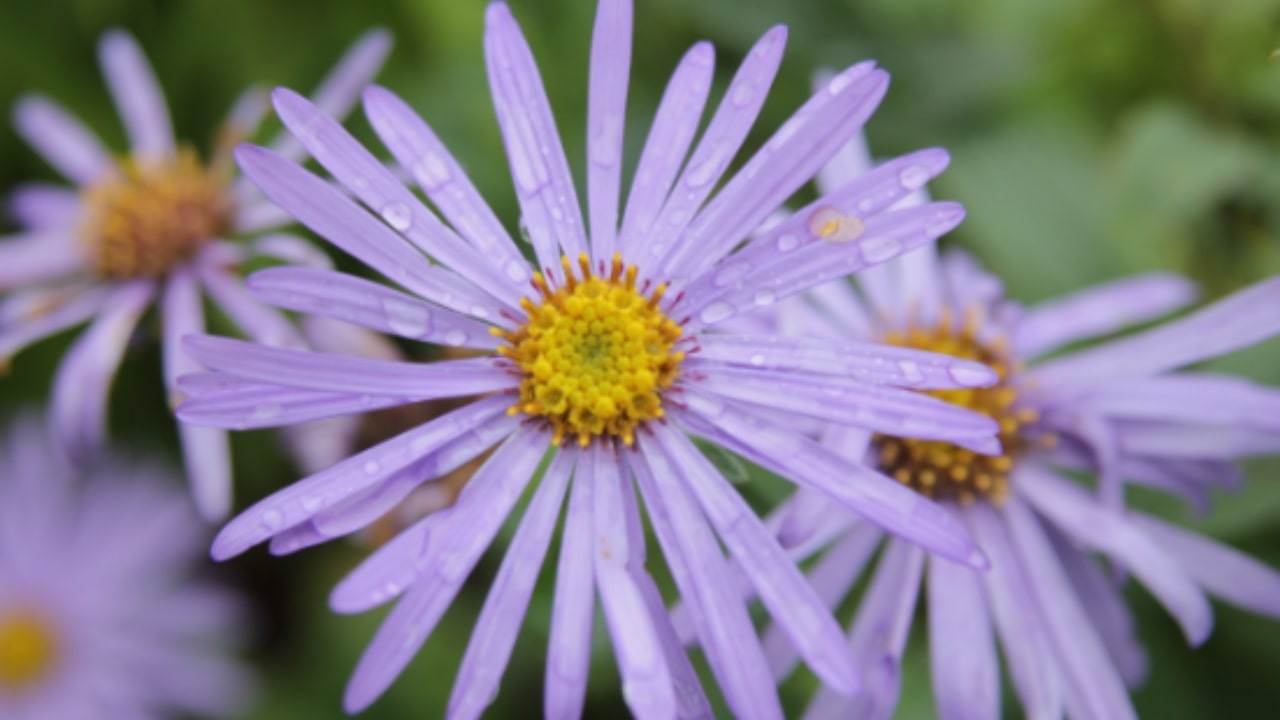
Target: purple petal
<point>328,212</point>
<point>489,649</point>
<point>881,500</point>
<point>790,599</point>
<point>1199,398</point>
<point>371,305</point>
<point>257,215</point>
<point>885,237</point>
<point>966,674</point>
<point>1028,651</point>
<point>306,370</point>
<point>646,681</point>
<point>1091,684</point>
<point>34,315</point>
<point>967,282</point>
<point>1103,595</point>
<point>83,381</point>
<point>304,499</point>
<point>701,573</point>
<point>1223,571</point>
<point>606,112</point>
<point>880,409</point>
<point>381,191</point>
<point>869,195</point>
<point>41,206</point>
<point>32,258</point>
<point>878,637</point>
<point>673,129</point>
<point>1095,527</point>
<point>548,200</point>
<point>1195,441</point>
<point>478,514</point>
<point>1100,310</point>
<point>719,143</point>
<point>137,95</point>
<point>206,453</point>
<point>291,249</point>
<point>62,140</point>
<point>223,401</point>
<point>418,150</point>
<point>337,93</point>
<point>786,162</point>
<point>867,362</point>
<point>569,646</point>
<point>1235,322</point>
<point>832,578</point>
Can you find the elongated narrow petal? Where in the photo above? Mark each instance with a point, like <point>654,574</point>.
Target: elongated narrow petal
<point>544,186</point>
<point>38,206</point>
<point>966,674</point>
<point>302,500</point>
<point>263,323</point>
<point>700,570</point>
<point>83,381</point>
<point>481,509</point>
<point>569,646</point>
<point>33,258</point>
<point>137,95</point>
<point>1201,398</point>
<point>34,315</point>
<point>215,400</point>
<point>606,111</point>
<point>62,140</point>
<point>504,607</point>
<point>1100,311</point>
<point>372,305</point>
<point>668,143</point>
<point>868,362</point>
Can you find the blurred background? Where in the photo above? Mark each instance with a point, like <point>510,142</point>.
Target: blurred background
<point>1090,139</point>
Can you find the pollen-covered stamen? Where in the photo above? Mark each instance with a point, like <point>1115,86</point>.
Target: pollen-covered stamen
<point>944,471</point>
<point>28,649</point>
<point>153,214</point>
<point>596,354</point>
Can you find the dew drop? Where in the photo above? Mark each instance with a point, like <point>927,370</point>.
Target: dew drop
<point>266,411</point>
<point>764,296</point>
<point>715,312</point>
<point>839,82</point>
<point>372,467</point>
<point>406,320</point>
<point>910,371</point>
<point>272,520</point>
<point>787,242</point>
<point>455,337</point>
<point>913,177</point>
<point>516,271</point>
<point>312,503</point>
<point>757,360</point>
<point>743,93</point>
<point>970,376</point>
<point>398,216</point>
<point>879,249</point>
<point>431,171</point>
<point>360,183</point>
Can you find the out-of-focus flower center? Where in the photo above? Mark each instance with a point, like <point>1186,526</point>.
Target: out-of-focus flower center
<point>944,471</point>
<point>153,214</point>
<point>28,649</point>
<point>596,354</point>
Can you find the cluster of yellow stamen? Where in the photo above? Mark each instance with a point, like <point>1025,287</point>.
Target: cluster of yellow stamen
<point>153,214</point>
<point>28,650</point>
<point>596,354</point>
<point>944,471</point>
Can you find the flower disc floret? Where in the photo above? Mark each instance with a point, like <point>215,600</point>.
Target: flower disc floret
<point>153,214</point>
<point>944,471</point>
<point>27,650</point>
<point>596,353</point>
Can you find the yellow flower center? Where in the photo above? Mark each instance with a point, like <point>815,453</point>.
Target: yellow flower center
<point>28,650</point>
<point>944,471</point>
<point>152,215</point>
<point>596,354</point>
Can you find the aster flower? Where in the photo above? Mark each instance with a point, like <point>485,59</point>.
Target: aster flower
<point>99,615</point>
<point>151,226</point>
<point>602,358</point>
<point>1121,410</point>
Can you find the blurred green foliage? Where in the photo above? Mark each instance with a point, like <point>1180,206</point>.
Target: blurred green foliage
<point>1091,139</point>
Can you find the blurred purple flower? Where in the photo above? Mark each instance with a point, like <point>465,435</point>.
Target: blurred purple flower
<point>99,615</point>
<point>151,226</point>
<point>606,347</point>
<point>1117,409</point>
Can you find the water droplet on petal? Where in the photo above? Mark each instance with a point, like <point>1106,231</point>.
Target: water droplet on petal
<point>406,320</point>
<point>831,225</point>
<point>272,520</point>
<point>970,376</point>
<point>266,411</point>
<point>431,171</point>
<point>839,82</point>
<point>787,242</point>
<point>372,467</point>
<point>715,312</point>
<point>398,216</point>
<point>879,249</point>
<point>312,503</point>
<point>743,93</point>
<point>757,360</point>
<point>913,177</point>
<point>455,337</point>
<point>765,296</point>
<point>516,271</point>
<point>730,274</point>
<point>910,371</point>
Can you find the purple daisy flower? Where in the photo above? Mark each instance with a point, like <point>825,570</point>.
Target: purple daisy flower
<point>1120,410</point>
<point>99,617</point>
<point>152,226</point>
<point>602,359</point>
